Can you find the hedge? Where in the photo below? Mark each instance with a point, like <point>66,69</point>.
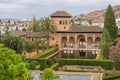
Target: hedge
<point>40,61</point>
<point>46,53</point>
<point>115,76</point>
<point>106,64</point>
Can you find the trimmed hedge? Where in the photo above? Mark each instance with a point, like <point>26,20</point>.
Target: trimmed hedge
<point>46,53</point>
<point>41,62</point>
<point>106,64</point>
<point>115,76</point>
<point>117,65</point>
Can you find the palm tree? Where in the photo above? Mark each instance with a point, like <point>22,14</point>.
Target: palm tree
<point>46,28</point>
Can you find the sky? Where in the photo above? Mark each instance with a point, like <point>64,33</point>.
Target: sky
<point>26,9</point>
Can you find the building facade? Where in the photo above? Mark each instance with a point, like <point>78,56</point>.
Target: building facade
<point>77,41</point>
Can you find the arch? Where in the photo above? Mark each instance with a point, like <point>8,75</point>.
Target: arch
<point>72,42</point>
<point>97,39</point>
<point>81,41</point>
<point>64,42</point>
<point>89,40</point>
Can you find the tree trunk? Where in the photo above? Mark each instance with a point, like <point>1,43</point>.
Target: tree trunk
<point>47,37</point>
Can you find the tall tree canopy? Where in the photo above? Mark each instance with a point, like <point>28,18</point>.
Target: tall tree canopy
<point>110,25</point>
<point>14,42</point>
<point>47,27</point>
<point>12,66</point>
<point>110,30</point>
<point>34,25</point>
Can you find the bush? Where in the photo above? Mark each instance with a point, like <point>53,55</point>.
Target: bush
<point>115,76</point>
<point>106,64</point>
<point>35,62</point>
<point>101,57</point>
<point>46,53</point>
<point>55,66</point>
<point>117,65</point>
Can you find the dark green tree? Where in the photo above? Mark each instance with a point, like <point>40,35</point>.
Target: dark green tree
<point>14,42</point>
<point>110,24</point>
<point>110,31</point>
<point>29,47</point>
<point>47,27</point>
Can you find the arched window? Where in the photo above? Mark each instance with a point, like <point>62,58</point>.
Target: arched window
<point>65,22</point>
<point>60,22</point>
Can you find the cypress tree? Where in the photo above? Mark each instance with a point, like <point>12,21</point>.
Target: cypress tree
<point>110,25</point>
<point>110,30</point>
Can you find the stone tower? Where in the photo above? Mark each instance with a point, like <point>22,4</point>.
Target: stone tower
<point>62,20</point>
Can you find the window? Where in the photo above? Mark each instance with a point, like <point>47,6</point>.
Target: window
<point>65,22</point>
<point>64,27</point>
<point>52,38</point>
<point>60,22</point>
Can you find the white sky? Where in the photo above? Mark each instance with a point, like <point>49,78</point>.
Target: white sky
<point>26,9</point>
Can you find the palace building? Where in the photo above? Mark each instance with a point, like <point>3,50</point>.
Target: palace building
<point>72,41</point>
<point>75,41</point>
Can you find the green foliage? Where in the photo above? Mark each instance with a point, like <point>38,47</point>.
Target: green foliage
<point>101,57</point>
<point>14,42</point>
<point>12,66</point>
<point>87,62</point>
<point>34,25</point>
<point>105,47</point>
<point>55,66</point>
<point>46,53</point>
<point>110,24</point>
<point>6,29</point>
<point>23,29</point>
<point>29,47</point>
<point>114,76</point>
<point>82,71</point>
<point>48,74</point>
<point>110,31</point>
<point>38,61</point>
<point>47,27</point>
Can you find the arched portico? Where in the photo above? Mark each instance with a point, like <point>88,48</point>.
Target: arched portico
<point>71,42</point>
<point>81,41</point>
<point>64,42</point>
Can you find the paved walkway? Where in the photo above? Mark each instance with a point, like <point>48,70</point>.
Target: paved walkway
<point>94,76</point>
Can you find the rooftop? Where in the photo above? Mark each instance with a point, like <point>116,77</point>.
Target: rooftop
<point>84,29</point>
<point>27,33</point>
<point>61,14</point>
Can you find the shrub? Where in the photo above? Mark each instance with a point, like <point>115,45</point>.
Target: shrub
<point>35,62</point>
<point>106,64</point>
<point>55,66</point>
<point>46,53</point>
<point>115,76</point>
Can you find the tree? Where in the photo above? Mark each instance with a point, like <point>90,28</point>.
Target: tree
<point>34,25</point>
<point>29,47</point>
<point>110,30</point>
<point>14,42</point>
<point>12,66</point>
<point>6,29</point>
<point>48,74</point>
<point>46,28</point>
<point>110,24</point>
